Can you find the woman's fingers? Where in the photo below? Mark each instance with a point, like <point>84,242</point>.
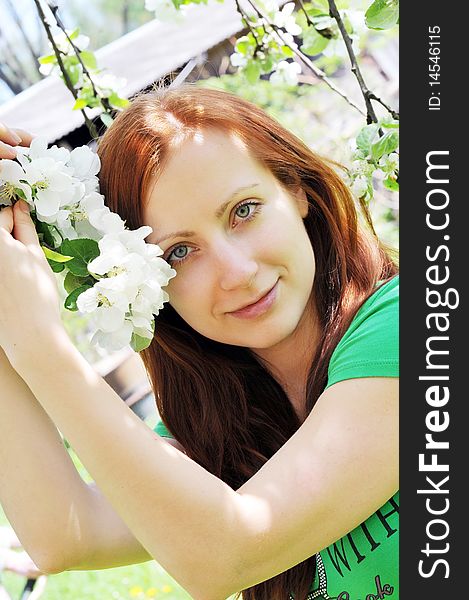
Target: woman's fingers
<point>24,230</point>
<point>6,219</point>
<point>12,137</point>
<point>9,135</point>
<point>7,151</point>
<point>25,137</point>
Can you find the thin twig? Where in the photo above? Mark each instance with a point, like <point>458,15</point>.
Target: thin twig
<point>367,94</point>
<point>393,113</point>
<point>305,59</point>
<point>104,101</point>
<point>308,18</point>
<point>66,76</point>
<point>245,18</point>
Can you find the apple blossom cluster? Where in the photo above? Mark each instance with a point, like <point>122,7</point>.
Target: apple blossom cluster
<point>375,151</point>
<point>111,273</point>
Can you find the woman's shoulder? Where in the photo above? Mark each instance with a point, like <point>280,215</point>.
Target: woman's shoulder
<point>385,298</point>
<point>370,345</point>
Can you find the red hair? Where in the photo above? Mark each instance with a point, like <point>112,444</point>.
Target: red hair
<point>217,400</point>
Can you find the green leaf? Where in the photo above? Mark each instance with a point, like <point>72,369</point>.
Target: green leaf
<point>243,45</point>
<point>74,72</point>
<point>116,101</point>
<point>139,343</point>
<point>391,184</point>
<point>366,137</point>
<point>55,266</point>
<point>20,193</point>
<point>326,26</point>
<point>93,101</point>
<point>55,256</point>
<point>89,59</point>
<point>80,103</point>
<point>253,72</point>
<point>313,42</point>
<point>47,59</point>
<point>318,7</point>
<point>72,282</point>
<point>70,302</point>
<point>267,63</point>
<point>106,119</point>
<point>385,145</point>
<point>390,124</point>
<point>45,234</point>
<point>83,251</point>
<point>382,14</point>
<point>75,33</point>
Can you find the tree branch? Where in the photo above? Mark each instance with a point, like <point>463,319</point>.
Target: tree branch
<point>246,21</point>
<point>308,19</point>
<point>104,101</point>
<point>367,94</point>
<point>303,58</point>
<point>91,127</point>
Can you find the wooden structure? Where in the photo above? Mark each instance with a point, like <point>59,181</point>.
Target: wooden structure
<point>141,57</point>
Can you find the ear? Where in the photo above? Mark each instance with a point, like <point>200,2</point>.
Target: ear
<point>302,202</point>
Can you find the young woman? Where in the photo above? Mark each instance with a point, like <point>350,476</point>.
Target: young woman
<point>274,366</point>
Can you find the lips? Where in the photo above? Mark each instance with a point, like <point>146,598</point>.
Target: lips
<point>259,306</point>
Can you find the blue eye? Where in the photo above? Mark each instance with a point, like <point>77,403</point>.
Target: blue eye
<point>178,254</point>
<point>247,210</point>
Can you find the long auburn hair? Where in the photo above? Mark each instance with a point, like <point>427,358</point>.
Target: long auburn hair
<point>217,400</point>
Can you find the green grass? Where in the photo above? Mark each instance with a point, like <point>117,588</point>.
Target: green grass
<point>140,582</point>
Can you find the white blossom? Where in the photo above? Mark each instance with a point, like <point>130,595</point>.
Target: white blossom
<point>286,72</point>
<point>286,19</point>
<point>129,274</point>
<point>238,60</point>
<point>46,69</point>
<point>80,41</point>
<point>360,186</point>
<point>389,162</point>
<point>50,184</point>
<point>115,340</point>
<point>39,149</point>
<point>85,163</point>
<point>12,178</point>
<point>106,83</point>
<point>76,220</point>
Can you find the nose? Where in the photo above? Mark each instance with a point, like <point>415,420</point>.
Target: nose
<point>236,267</point>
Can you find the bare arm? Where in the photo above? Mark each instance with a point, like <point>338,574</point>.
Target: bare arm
<point>187,519</point>
<point>61,521</point>
<point>50,507</point>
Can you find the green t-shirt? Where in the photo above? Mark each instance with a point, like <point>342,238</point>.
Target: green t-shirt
<point>364,564</point>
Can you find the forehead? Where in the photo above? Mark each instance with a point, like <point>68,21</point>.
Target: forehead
<point>206,167</point>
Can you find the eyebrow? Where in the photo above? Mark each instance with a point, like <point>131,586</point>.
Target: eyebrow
<point>218,213</point>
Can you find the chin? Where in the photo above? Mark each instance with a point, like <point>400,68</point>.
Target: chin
<point>273,336</point>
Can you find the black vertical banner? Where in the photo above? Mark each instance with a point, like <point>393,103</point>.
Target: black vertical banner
<point>434,177</point>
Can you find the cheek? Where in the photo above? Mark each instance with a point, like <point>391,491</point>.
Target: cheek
<point>287,236</point>
<point>189,293</point>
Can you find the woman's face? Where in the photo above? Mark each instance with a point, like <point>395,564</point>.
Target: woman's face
<point>245,265</point>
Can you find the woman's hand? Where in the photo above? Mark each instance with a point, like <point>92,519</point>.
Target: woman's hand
<point>9,138</point>
<point>29,301</point>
